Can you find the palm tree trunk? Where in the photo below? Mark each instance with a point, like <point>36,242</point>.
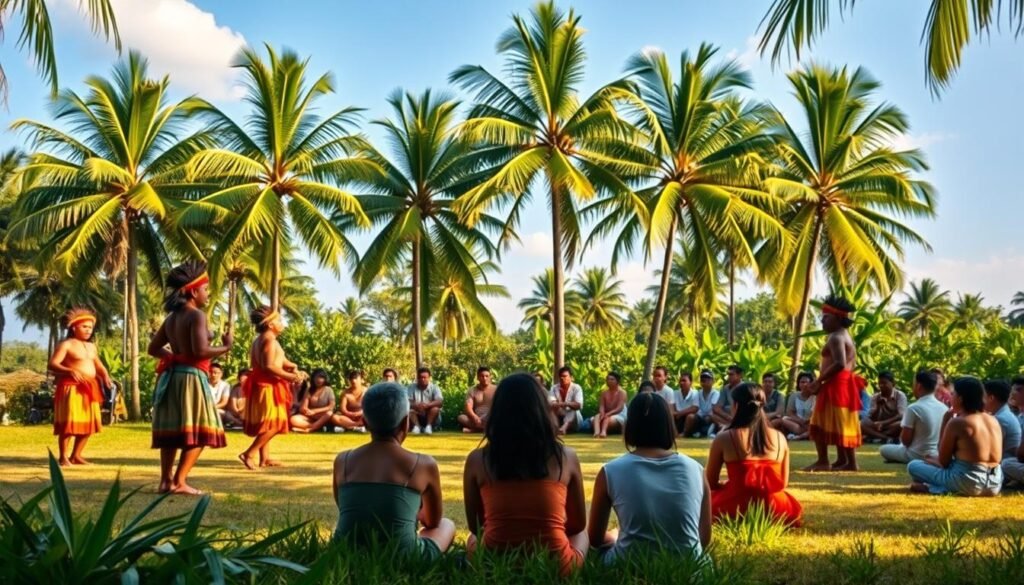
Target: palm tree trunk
<point>51,343</point>
<point>275,275</point>
<point>232,293</point>
<point>417,333</point>
<point>132,286</point>
<point>732,301</point>
<point>801,317</point>
<point>3,323</point>
<point>558,318</point>
<point>124,321</point>
<point>659,308</point>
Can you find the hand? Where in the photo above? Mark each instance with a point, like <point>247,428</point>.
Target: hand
<point>878,426</point>
<point>306,412</point>
<point>932,461</point>
<point>815,386</point>
<point>77,376</point>
<point>227,339</point>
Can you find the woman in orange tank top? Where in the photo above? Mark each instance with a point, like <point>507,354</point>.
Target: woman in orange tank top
<point>524,489</point>
<point>756,458</point>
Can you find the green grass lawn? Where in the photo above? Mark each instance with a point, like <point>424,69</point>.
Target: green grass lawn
<point>840,509</point>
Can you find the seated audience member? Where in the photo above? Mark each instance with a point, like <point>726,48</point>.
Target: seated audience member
<point>659,376</point>
<point>383,491</point>
<point>478,402</point>
<point>687,403</point>
<point>774,401</point>
<point>722,412</point>
<point>524,488</point>
<point>970,449</point>
<point>236,405</point>
<point>566,401</point>
<point>389,375</point>
<point>317,405</point>
<point>886,413</point>
<point>660,497</point>
<point>220,390</point>
<point>997,395</point>
<point>349,416</point>
<point>922,424</point>
<point>865,405</point>
<point>943,393</point>
<point>611,410</point>
<point>756,458</point>
<point>1017,398</point>
<point>697,424</point>
<point>800,405</point>
<point>1013,467</point>
<point>425,402</point>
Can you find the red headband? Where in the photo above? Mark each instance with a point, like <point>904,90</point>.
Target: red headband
<point>834,311</point>
<point>79,319</point>
<point>198,282</point>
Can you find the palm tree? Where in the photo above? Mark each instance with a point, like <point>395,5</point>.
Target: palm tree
<point>102,194</point>
<point>639,317</point>
<point>795,24</point>
<point>844,186</point>
<point>1016,315</point>
<point>603,301</point>
<point>11,258</point>
<point>281,172</point>
<point>356,316</point>
<point>925,305</point>
<point>460,312</point>
<point>37,34</point>
<point>685,305</point>
<point>540,305</point>
<point>577,146</point>
<point>413,200</point>
<point>44,296</point>
<point>704,144</point>
<point>970,312</point>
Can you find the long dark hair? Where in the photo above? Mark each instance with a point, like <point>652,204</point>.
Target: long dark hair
<point>649,423</point>
<point>520,431</point>
<point>749,399</point>
<point>178,277</point>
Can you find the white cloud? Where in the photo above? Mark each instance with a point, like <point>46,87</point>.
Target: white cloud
<point>537,245</point>
<point>923,140</point>
<point>749,56</point>
<point>180,40</point>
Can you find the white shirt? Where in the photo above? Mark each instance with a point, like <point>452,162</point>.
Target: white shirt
<point>706,404</point>
<point>426,395</point>
<point>668,394</point>
<point>220,391</point>
<point>575,394</point>
<point>925,417</point>
<point>692,398</point>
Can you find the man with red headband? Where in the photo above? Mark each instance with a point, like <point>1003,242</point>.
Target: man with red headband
<point>836,416</point>
<point>79,372</point>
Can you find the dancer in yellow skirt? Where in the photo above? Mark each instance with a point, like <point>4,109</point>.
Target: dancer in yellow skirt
<point>267,391</point>
<point>79,372</point>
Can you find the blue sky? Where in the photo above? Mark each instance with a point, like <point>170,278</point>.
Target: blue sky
<point>373,48</point>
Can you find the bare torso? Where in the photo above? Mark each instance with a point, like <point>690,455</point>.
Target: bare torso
<point>978,439</point>
<point>266,352</point>
<point>482,399</point>
<point>79,356</point>
<point>177,328</point>
<point>612,401</point>
<point>842,336</point>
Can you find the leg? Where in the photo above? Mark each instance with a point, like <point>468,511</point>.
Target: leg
<point>895,454</point>
<point>167,456</point>
<point>299,423</point>
<point>849,455</point>
<point>610,538</point>
<point>76,453</point>
<point>320,422</point>
<point>822,464</point>
<point>581,542</point>
<point>258,443</point>
<point>1013,469</point>
<point>612,425</point>
<point>927,478</point>
<point>689,424</point>
<point>442,536</point>
<point>62,446</point>
<point>188,459</point>
<point>463,422</point>
<point>432,416</point>
<point>265,460</point>
<point>340,420</point>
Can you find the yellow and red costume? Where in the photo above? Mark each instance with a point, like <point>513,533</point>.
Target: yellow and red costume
<point>836,416</point>
<point>268,402</point>
<point>76,407</point>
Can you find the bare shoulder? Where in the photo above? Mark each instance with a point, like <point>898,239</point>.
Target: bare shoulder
<point>339,460</point>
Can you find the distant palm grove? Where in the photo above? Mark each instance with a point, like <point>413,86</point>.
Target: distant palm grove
<point>672,163</point>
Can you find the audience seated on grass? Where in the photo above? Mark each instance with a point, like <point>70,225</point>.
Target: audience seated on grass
<point>660,497</point>
<point>425,403</point>
<point>997,395</point>
<point>524,489</point>
<point>865,404</point>
<point>611,410</point>
<point>478,402</point>
<point>566,398</point>
<point>699,423</point>
<point>220,389</point>
<point>383,490</point>
<point>317,406</point>
<point>659,377</point>
<point>796,423</point>
<point>236,405</point>
<point>970,449</point>
<point>687,403</point>
<point>389,375</point>
<point>885,415</point>
<point>722,412</point>
<point>943,393</point>
<point>756,458</point>
<point>774,401</point>
<point>921,425</point>
<point>1013,467</point>
<point>349,416</point>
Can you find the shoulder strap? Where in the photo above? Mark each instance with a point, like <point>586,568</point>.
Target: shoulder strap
<point>412,471</point>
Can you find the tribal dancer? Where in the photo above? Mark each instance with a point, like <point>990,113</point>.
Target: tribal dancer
<point>184,410</point>
<point>836,419</point>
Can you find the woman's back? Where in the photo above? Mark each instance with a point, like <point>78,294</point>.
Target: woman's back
<point>657,501</point>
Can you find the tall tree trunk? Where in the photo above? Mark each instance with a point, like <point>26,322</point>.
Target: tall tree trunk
<point>275,274</point>
<point>417,309</point>
<point>232,293</point>
<point>124,321</point>
<point>659,308</point>
<point>558,319</point>
<point>801,317</point>
<point>51,343</point>
<point>135,413</point>
<point>732,301</point>
<point>3,323</point>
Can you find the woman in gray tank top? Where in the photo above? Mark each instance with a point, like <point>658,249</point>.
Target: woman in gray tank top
<point>660,497</point>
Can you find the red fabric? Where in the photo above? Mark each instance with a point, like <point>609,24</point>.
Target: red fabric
<point>181,360</point>
<point>756,480</point>
<point>836,416</point>
<point>268,401</point>
<point>76,407</point>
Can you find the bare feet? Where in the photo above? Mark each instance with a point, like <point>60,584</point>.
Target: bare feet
<point>247,461</point>
<point>65,462</point>
<point>919,488</point>
<point>186,490</point>
<point>846,467</point>
<point>818,466</point>
<point>271,463</point>
<point>165,486</point>
<point>298,430</point>
<point>80,461</point>
<point>604,435</point>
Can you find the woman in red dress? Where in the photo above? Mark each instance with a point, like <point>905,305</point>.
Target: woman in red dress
<point>756,458</point>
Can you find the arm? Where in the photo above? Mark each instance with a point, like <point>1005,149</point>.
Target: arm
<point>57,366</point>
<point>705,517</point>
<point>907,430</point>
<point>575,502</point>
<point>600,509</point>
<point>575,403</point>
<point>158,345</point>
<point>1020,452</point>
<point>784,445</point>
<point>947,445</point>
<point>339,466</point>
<point>714,467</point>
<point>101,371</point>
<point>433,507</point>
<point>201,347</point>
<point>471,492</point>
<point>780,408</point>
<point>837,349</point>
<point>438,399</point>
<point>323,409</point>
<point>686,411</point>
<point>222,402</point>
<point>269,352</point>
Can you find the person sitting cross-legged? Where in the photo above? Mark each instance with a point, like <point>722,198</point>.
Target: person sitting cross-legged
<point>687,404</point>
<point>886,413</point>
<point>660,497</point>
<point>1013,467</point>
<point>970,449</point>
<point>384,491</point>
<point>566,398</point>
<point>774,401</point>
<point>756,458</point>
<point>478,402</point>
<point>800,405</point>
<point>922,423</point>
<point>700,422</point>
<point>722,411</point>
<point>349,416</point>
<point>997,395</point>
<point>425,402</point>
<point>611,412</point>
<point>317,405</point>
<point>524,488</point>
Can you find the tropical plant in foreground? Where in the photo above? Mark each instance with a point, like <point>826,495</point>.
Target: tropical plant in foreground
<point>845,188</point>
<point>602,300</point>
<point>412,201</point>
<point>280,173</point>
<point>926,305</point>
<point>101,194</point>
<point>704,176</point>
<point>576,146</point>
